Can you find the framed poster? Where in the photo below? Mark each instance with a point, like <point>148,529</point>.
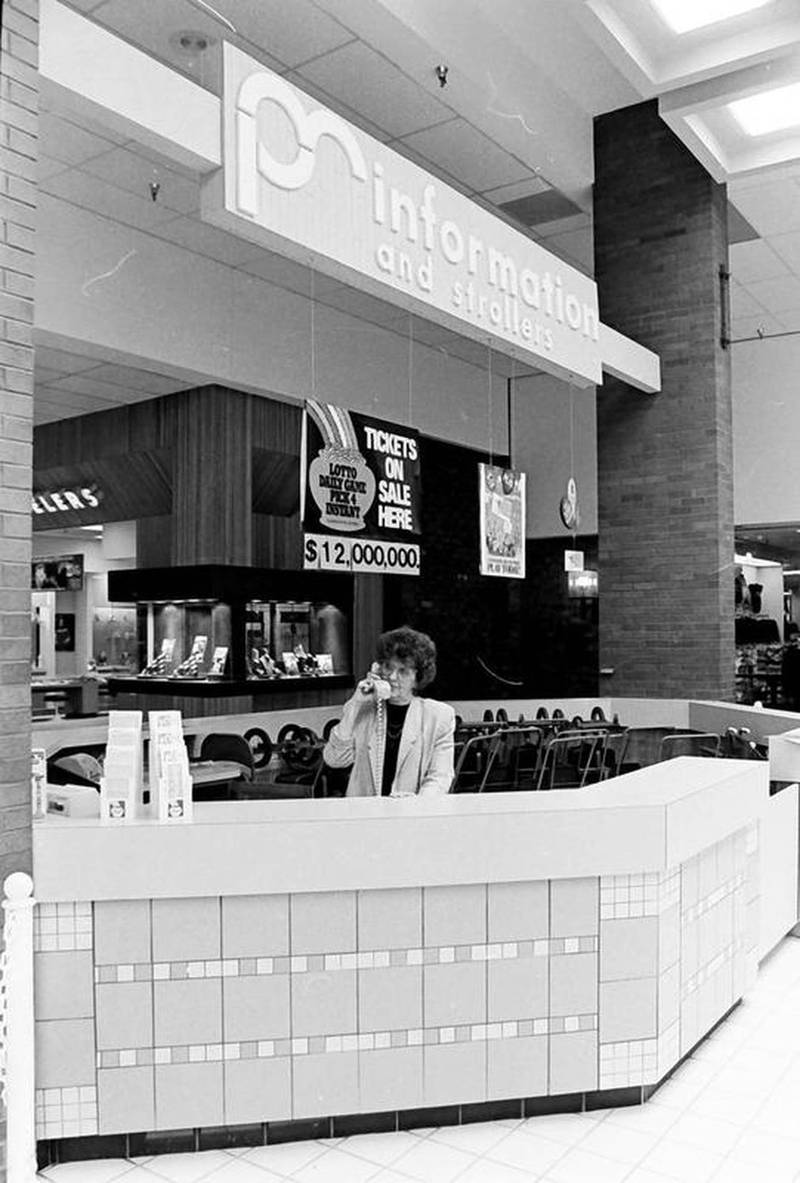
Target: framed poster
<point>65,632</point>
<point>502,521</point>
<point>360,493</point>
<point>57,573</point>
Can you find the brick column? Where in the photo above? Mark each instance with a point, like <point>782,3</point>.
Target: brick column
<point>665,491</point>
<point>18,140</point>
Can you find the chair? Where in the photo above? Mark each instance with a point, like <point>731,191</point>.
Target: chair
<point>525,756</point>
<point>228,746</point>
<point>572,759</point>
<point>79,768</point>
<point>615,751</point>
<point>474,763</point>
<point>698,743</point>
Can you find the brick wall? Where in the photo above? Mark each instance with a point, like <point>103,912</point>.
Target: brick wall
<point>18,140</point>
<point>665,494</point>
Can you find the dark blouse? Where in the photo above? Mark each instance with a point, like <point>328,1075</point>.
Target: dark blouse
<point>395,718</point>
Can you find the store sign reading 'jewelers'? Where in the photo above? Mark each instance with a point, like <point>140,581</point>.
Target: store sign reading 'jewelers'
<point>302,181</point>
<point>359,496</point>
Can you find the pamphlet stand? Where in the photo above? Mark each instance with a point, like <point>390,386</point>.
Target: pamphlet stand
<point>170,780</point>
<point>121,783</point>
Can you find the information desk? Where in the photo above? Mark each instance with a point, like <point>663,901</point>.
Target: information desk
<point>286,961</point>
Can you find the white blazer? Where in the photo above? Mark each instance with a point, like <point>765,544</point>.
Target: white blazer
<point>424,759</point>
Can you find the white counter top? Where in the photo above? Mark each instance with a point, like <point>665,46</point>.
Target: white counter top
<point>645,821</point>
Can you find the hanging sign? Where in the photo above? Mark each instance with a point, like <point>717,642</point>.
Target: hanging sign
<point>502,518</point>
<point>360,492</point>
<point>573,560</point>
<point>302,181</point>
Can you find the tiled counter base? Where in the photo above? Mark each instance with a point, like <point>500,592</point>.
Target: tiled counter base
<point>192,1023</point>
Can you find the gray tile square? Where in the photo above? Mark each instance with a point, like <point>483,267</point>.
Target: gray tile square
<point>257,1090</point>
<point>516,1067</point>
<point>573,984</point>
<point>454,993</point>
<point>323,922</point>
<point>65,1053</point>
<point>392,1079</point>
<point>390,919</point>
<point>574,907</point>
<point>454,1073</point>
<point>188,1012</point>
<point>255,1008</point>
<point>628,1010</point>
<point>255,926</point>
<point>518,911</point>
<point>324,1003</point>
<point>629,948</point>
<point>573,1062</point>
<point>389,999</point>
<point>325,1084</point>
<point>63,985</point>
<point>454,915</point>
<point>125,1100</point>
<point>124,1015</point>
<point>121,931</point>
<point>186,930</point>
<point>518,989</point>
<point>188,1095</point>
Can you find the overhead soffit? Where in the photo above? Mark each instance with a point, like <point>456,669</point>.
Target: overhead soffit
<point>521,150</point>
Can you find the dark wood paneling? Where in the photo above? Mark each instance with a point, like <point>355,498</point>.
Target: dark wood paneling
<point>154,541</point>
<point>367,619</point>
<point>212,515</point>
<point>276,483</point>
<point>277,542</point>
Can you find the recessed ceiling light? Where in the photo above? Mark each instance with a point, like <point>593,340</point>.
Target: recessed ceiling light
<point>773,110</point>
<point>684,15</point>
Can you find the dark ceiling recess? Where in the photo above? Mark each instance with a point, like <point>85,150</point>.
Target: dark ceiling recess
<point>779,543</point>
<point>739,229</point>
<point>539,208</point>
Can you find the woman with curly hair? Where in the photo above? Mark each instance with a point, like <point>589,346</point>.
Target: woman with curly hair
<point>398,743</point>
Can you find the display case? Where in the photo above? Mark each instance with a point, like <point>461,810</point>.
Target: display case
<point>210,632</point>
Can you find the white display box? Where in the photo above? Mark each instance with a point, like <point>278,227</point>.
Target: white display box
<point>784,756</point>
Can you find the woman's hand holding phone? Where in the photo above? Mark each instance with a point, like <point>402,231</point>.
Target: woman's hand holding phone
<point>373,684</point>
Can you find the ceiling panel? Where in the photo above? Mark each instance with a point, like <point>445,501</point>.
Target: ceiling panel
<point>787,248</point>
<point>292,32</point>
<point>527,188</point>
<point>743,303</point>
<point>772,208</point>
<point>777,295</point>
<point>63,140</point>
<point>63,361</point>
<point>90,192</point>
<point>131,171</point>
<point>464,151</point>
<point>752,261</point>
<point>207,240</point>
<point>133,379</point>
<point>790,321</point>
<point>370,84</point>
<point>87,384</point>
<point>755,326</point>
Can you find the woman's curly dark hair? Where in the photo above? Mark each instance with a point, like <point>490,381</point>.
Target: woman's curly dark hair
<point>407,645</point>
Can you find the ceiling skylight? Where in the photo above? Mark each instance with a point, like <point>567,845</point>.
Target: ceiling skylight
<point>774,110</point>
<point>683,16</point>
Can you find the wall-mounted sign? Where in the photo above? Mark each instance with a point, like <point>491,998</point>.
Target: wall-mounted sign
<point>573,560</point>
<point>54,501</point>
<point>304,182</point>
<point>57,573</point>
<point>502,517</point>
<point>582,584</point>
<point>360,492</point>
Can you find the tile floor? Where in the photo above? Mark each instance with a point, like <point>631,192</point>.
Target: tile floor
<point>731,1114</point>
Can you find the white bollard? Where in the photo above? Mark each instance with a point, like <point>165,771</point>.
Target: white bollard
<point>17,1029</point>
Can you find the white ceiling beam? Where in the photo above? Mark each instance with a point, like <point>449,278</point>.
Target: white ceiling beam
<point>96,74</point>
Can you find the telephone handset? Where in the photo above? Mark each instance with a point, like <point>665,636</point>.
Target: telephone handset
<point>375,684</point>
